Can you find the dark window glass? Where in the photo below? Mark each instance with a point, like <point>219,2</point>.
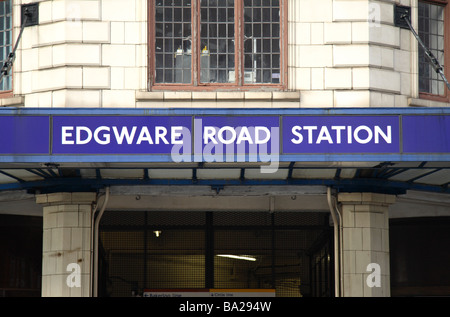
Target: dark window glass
<point>5,39</point>
<point>262,38</point>
<point>431,31</point>
<point>173,42</point>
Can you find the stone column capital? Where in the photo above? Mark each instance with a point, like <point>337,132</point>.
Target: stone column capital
<point>366,199</point>
<point>66,198</point>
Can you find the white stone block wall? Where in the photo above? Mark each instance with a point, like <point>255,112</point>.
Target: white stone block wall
<point>93,53</point>
<point>83,53</point>
<point>348,53</point>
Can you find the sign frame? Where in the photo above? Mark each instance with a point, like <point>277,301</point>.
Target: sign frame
<point>433,122</point>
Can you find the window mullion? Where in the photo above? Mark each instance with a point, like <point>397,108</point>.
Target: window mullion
<point>239,40</point>
<point>195,41</point>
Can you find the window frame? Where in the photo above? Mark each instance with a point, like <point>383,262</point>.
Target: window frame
<point>446,68</point>
<point>9,93</point>
<point>195,84</point>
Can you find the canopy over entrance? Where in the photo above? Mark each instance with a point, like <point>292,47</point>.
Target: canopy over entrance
<point>378,150</point>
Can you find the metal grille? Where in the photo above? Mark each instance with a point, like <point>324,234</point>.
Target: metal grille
<point>229,250</point>
<point>321,268</point>
<point>431,31</point>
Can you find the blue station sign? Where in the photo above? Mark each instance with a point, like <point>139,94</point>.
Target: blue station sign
<point>130,135</point>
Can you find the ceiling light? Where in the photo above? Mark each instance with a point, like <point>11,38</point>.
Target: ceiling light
<point>238,257</point>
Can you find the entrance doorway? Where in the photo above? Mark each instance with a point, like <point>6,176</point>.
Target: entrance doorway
<point>288,252</point>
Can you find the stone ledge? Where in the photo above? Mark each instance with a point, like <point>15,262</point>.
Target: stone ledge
<point>417,102</point>
<point>219,95</point>
<point>16,101</point>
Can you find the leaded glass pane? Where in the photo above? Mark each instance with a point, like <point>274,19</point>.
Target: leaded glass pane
<point>431,31</point>
<point>173,41</point>
<point>262,41</point>
<point>5,40</point>
<point>217,44</point>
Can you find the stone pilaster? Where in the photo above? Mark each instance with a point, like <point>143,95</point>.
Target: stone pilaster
<point>66,258</point>
<point>365,244</point>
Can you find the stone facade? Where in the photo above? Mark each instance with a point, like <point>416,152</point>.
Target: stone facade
<point>94,53</point>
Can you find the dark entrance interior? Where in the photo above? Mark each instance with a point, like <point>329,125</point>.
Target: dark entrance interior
<point>20,256</point>
<point>290,252</point>
<point>420,257</point>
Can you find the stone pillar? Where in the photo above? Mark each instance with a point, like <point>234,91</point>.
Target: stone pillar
<point>365,221</point>
<point>66,258</point>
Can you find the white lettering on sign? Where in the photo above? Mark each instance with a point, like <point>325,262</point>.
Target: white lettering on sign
<point>339,134</point>
<point>124,133</point>
<point>80,135</point>
<point>239,135</point>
